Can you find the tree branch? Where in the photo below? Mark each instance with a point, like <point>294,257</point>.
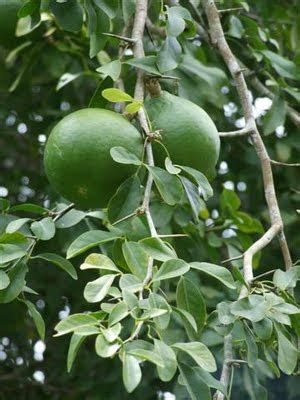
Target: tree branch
<point>225,374</point>
<point>285,164</point>
<point>218,40</point>
<point>240,132</point>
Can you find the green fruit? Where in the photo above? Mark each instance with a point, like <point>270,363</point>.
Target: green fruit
<point>77,156</point>
<point>187,132</point>
<point>8,21</point>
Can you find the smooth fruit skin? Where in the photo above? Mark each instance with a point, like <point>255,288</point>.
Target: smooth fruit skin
<point>187,131</point>
<point>77,156</point>
<point>8,21</point>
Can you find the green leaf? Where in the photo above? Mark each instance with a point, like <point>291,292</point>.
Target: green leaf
<point>15,225</point>
<point>75,343</point>
<point>176,20</point>
<point>110,7</point>
<point>10,252</point>
<point>130,283</point>
<point>98,22</point>
<point>158,249</point>
<point>168,185</point>
<point>158,302</point>
<point>99,261</point>
<point>4,280</point>
<point>263,329</point>
<point>136,258</point>
<point>236,28</point>
<point>43,229</point>
<point>195,386</point>
<point>128,9</point>
<point>189,298</point>
<point>119,312</point>
<point>170,167</point>
<point>112,69</point>
<point>4,204</point>
<point>111,334</point>
<point>147,64</point>
<point>37,318</point>
<point>105,349</point>
<point>123,156</point>
<point>220,273</point>
<point>192,195</point>
<point>75,322</point>
<point>147,355</point>
<point>171,269</point>
<point>126,200</point>
<point>116,95</point>
<point>132,373</point>
<point>16,285</point>
<point>188,321</point>
<point>200,354</point>
<point>71,218</point>
<point>201,181</point>
<point>30,208</point>
<point>252,307</point>
<point>224,313</point>
<point>60,262</point>
<point>170,54</point>
<point>287,353</point>
<point>134,107</point>
<point>282,66</point>
<point>252,350</point>
<point>65,79</point>
<point>230,202</point>
<point>275,116</point>
<point>88,240</point>
<point>13,238</point>
<point>69,15</point>
<point>96,290</point>
<point>209,380</point>
<point>285,279</point>
<point>167,372</point>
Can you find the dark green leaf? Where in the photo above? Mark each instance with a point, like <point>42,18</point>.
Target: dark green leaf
<point>195,386</point>
<point>69,15</point>
<point>136,258</point>
<point>30,208</point>
<point>158,249</point>
<point>71,218</point>
<point>200,354</point>
<point>126,200</point>
<point>189,298</point>
<point>275,116</point>
<point>282,66</point>
<point>88,240</point>
<point>167,372</point>
<point>119,312</point>
<point>60,262</point>
<point>220,273</point>
<point>4,280</point>
<point>15,225</point>
<point>75,343</point>
<point>10,252</point>
<point>171,269</point>
<point>110,7</point>
<point>37,318</point>
<point>16,285</point>
<point>201,180</point>
<point>287,352</point>
<point>168,185</point>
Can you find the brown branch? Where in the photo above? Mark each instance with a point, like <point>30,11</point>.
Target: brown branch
<point>218,40</point>
<point>240,132</point>
<point>283,164</point>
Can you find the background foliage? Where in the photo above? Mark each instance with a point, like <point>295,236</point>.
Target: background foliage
<point>61,62</point>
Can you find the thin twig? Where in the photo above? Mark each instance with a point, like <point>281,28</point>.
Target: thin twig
<point>61,213</point>
<point>120,37</point>
<point>240,132</point>
<point>285,164</point>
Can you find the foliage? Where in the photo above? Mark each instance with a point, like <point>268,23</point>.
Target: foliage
<point>166,335</point>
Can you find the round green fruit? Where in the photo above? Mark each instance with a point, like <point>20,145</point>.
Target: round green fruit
<point>77,156</point>
<point>8,21</point>
<point>187,132</point>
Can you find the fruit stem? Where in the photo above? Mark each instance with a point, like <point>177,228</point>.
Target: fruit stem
<point>153,87</point>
